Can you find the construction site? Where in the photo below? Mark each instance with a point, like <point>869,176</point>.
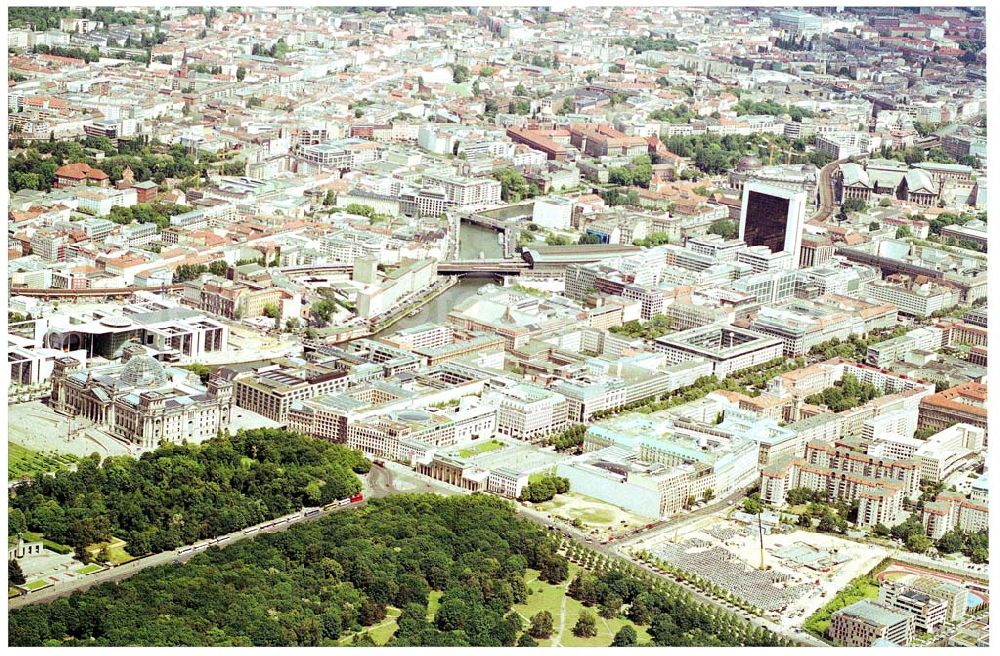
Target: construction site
<point>782,572</point>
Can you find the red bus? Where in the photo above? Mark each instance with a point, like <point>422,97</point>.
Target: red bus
<point>357,497</point>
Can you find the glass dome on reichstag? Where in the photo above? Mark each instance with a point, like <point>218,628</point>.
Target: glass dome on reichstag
<point>143,371</point>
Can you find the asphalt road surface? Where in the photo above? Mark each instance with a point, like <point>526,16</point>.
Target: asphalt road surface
<point>379,482</point>
<point>121,572</point>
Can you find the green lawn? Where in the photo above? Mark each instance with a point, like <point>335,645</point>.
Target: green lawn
<point>539,475</point>
<point>555,503</point>
<point>89,569</point>
<point>381,632</point>
<point>479,449</point>
<point>604,516</point>
<point>433,603</point>
<point>38,584</point>
<point>543,596</point>
<point>22,461</point>
<point>546,596</point>
<point>596,516</point>
<point>47,543</point>
<point>116,551</point>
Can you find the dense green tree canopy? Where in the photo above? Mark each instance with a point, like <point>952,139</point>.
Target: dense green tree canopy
<point>771,108</point>
<point>545,488</point>
<point>319,581</point>
<point>725,228</point>
<point>657,326</point>
<point>35,167</point>
<point>641,44</point>
<point>513,186</point>
<point>845,394</point>
<point>178,495</point>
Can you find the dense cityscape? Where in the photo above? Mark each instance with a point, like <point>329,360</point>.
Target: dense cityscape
<point>452,327</point>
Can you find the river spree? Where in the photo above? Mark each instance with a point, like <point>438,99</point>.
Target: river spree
<point>472,241</point>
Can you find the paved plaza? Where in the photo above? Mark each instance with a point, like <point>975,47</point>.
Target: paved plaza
<point>38,427</point>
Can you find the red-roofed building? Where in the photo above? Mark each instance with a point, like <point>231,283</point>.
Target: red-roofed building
<point>543,140</point>
<point>75,174</point>
<point>965,403</point>
<point>46,102</point>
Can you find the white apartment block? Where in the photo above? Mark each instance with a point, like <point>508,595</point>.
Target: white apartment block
<point>942,454</point>
<point>927,338</point>
<point>842,145</point>
<point>431,201</point>
<point>900,422</point>
<point>466,193</point>
<point>952,510</point>
<point>99,201</point>
<point>423,336</point>
<point>878,484</point>
<point>917,300</point>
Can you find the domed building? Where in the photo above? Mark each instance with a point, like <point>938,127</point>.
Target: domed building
<point>745,168</point>
<point>143,371</point>
<point>142,401</point>
<point>795,177</point>
<point>748,163</point>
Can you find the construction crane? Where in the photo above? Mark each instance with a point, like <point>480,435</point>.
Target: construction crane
<point>760,530</point>
<point>787,153</point>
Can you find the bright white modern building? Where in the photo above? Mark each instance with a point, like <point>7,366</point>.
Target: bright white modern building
<point>552,212</point>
